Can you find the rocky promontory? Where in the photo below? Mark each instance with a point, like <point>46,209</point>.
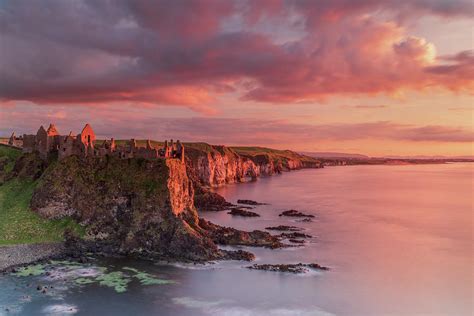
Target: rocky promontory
<point>133,207</point>
<point>145,208</point>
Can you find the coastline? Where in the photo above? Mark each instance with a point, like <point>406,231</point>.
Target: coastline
<point>23,254</point>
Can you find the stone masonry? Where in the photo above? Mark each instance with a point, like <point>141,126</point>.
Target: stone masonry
<point>47,142</point>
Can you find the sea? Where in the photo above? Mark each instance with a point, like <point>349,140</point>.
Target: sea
<point>398,241</point>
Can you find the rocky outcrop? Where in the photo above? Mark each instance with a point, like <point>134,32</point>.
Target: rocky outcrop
<point>231,236</point>
<point>289,268</point>
<point>284,228</point>
<point>250,202</point>
<point>237,211</point>
<point>295,213</point>
<point>134,207</point>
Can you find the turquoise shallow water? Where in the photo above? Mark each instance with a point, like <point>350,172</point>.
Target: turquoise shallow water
<point>398,240</point>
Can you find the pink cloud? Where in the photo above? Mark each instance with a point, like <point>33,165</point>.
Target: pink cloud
<point>178,53</point>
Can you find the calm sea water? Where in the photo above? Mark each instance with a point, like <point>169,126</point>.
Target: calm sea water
<point>398,240</point>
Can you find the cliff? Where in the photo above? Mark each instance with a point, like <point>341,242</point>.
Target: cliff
<point>217,165</point>
<point>136,207</point>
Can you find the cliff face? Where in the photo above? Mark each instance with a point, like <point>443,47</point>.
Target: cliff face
<point>133,206</point>
<point>218,165</point>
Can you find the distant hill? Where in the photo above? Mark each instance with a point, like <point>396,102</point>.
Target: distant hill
<point>335,155</point>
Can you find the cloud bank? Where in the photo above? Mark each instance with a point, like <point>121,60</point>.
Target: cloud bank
<point>121,123</point>
<point>188,53</point>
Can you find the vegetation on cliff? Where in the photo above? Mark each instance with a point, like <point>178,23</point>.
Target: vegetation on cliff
<point>18,223</point>
<point>8,155</point>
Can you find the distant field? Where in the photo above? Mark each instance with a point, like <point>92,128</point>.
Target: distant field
<point>272,153</point>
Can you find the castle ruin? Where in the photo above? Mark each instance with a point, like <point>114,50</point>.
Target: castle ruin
<point>47,142</point>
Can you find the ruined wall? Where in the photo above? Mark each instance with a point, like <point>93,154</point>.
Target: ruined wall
<point>28,143</point>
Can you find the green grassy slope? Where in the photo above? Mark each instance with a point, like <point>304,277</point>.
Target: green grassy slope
<point>8,155</point>
<point>18,224</point>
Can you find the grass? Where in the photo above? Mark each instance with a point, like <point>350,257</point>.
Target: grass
<point>9,154</point>
<point>20,225</point>
<point>273,154</point>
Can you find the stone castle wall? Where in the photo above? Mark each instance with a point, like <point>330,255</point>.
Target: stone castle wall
<point>47,142</point>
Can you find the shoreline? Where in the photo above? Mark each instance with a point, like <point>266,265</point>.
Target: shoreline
<point>23,254</point>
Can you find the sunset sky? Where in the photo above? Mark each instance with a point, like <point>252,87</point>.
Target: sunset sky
<point>373,77</point>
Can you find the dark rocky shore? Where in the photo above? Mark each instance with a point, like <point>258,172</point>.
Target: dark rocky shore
<point>18,255</point>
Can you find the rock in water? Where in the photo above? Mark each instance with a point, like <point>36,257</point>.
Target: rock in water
<point>241,212</point>
<point>296,241</point>
<point>290,268</point>
<point>285,228</point>
<point>294,235</point>
<point>231,236</point>
<point>250,202</point>
<point>295,213</point>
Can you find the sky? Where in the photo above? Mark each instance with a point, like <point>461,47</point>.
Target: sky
<point>374,77</point>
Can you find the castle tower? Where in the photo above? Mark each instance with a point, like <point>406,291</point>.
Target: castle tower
<point>181,153</point>
<point>166,149</point>
<point>11,141</point>
<point>87,138</point>
<point>148,144</point>
<point>52,130</point>
<point>41,143</point>
<point>178,146</point>
<point>112,145</point>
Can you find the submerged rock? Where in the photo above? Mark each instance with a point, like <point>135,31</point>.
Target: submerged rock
<point>305,220</point>
<point>296,241</point>
<point>295,213</point>
<point>289,268</point>
<point>241,212</point>
<point>250,202</point>
<point>285,228</point>
<point>294,235</point>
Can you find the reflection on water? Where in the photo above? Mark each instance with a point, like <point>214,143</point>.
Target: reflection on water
<point>398,240</point>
